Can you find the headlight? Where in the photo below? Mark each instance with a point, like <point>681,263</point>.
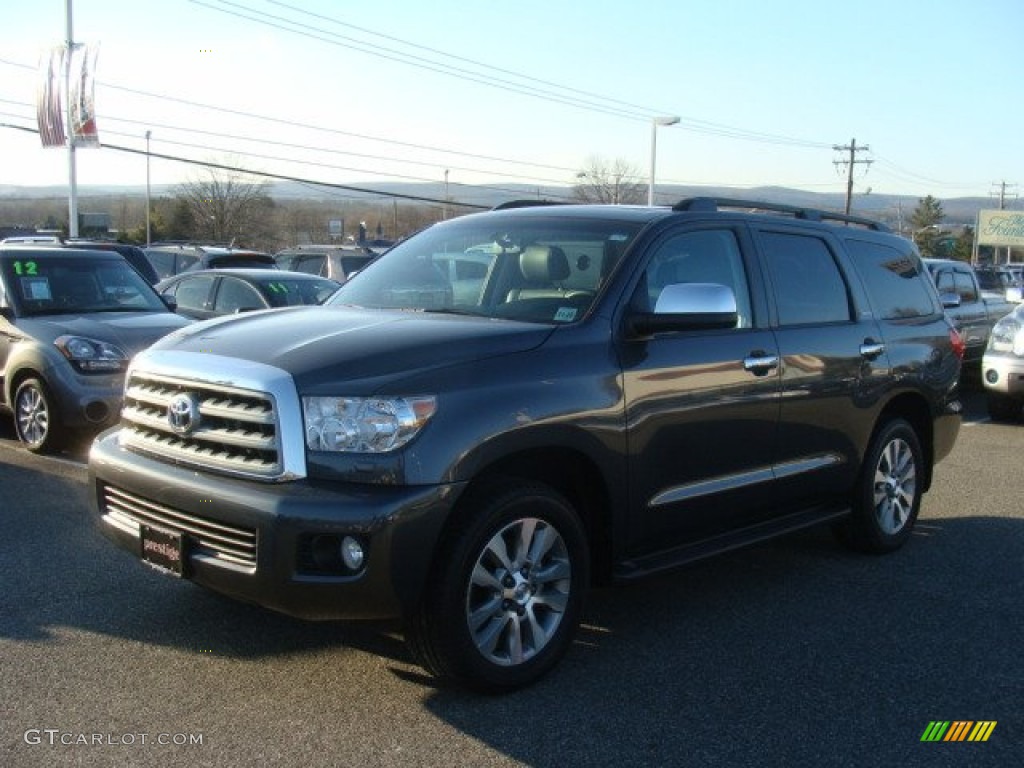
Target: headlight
<point>1007,336</point>
<point>364,424</point>
<point>91,356</point>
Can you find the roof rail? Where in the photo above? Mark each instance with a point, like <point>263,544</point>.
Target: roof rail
<point>524,204</point>
<point>711,204</point>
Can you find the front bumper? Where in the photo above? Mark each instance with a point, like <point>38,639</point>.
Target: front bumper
<point>398,527</point>
<point>85,401</point>
<point>1003,373</point>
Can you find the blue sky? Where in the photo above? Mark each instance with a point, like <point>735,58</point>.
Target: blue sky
<point>530,91</point>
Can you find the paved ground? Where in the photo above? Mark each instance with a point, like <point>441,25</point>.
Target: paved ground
<point>794,653</point>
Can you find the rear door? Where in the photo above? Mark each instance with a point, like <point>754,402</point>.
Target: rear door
<point>701,406</point>
<point>834,363</point>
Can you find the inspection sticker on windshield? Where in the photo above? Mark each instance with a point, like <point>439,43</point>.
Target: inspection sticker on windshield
<point>36,288</point>
<point>565,314</point>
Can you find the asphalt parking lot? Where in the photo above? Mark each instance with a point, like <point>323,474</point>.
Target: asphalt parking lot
<point>793,653</point>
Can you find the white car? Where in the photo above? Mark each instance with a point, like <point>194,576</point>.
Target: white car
<point>1003,367</point>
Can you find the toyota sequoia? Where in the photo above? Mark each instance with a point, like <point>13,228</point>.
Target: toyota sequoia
<point>511,406</point>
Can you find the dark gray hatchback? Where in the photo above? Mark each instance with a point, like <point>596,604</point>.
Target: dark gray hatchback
<point>510,406</point>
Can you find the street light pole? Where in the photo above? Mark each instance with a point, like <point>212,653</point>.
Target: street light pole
<point>72,173</point>
<point>149,232</point>
<point>655,122</point>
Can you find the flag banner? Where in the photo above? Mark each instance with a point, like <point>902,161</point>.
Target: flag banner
<point>49,116</point>
<point>82,96</point>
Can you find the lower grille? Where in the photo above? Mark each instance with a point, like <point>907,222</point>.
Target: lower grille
<point>222,541</point>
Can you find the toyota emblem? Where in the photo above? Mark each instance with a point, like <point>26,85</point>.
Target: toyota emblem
<point>183,413</point>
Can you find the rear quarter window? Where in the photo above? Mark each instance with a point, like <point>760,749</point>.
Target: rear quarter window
<point>895,280</point>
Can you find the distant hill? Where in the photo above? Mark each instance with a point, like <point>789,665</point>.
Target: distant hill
<point>889,208</point>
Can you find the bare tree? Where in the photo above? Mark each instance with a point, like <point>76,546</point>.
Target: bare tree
<point>228,206</point>
<point>617,182</point>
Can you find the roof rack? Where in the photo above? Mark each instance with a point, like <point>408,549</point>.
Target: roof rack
<point>711,204</point>
<point>524,204</point>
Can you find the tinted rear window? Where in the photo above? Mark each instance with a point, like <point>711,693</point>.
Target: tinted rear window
<point>895,280</point>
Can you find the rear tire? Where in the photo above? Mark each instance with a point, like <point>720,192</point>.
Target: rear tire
<point>506,590</point>
<point>35,419</point>
<point>887,497</point>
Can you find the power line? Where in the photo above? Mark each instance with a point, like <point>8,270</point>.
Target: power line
<point>265,174</point>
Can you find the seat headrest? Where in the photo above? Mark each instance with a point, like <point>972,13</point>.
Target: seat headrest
<point>544,263</point>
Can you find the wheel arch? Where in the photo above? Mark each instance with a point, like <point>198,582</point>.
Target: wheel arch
<point>570,473</point>
<point>914,409</point>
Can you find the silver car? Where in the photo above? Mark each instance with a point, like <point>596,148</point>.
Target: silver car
<point>1002,367</point>
<point>70,320</point>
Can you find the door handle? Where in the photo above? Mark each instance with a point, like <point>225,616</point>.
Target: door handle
<point>759,363</point>
<point>871,349</point>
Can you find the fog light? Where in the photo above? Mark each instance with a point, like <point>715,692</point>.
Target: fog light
<point>352,553</point>
<point>991,376</point>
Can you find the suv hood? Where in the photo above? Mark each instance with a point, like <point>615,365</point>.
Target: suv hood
<point>325,345</point>
<point>130,331</point>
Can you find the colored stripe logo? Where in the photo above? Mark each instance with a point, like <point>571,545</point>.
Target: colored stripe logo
<point>958,730</point>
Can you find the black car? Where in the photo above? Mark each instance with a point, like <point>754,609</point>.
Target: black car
<point>510,406</point>
<point>69,324</point>
<point>214,292</point>
<point>133,254</point>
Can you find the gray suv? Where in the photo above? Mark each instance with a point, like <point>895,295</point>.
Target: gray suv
<point>510,406</point>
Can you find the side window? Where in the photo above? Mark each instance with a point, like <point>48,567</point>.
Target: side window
<point>701,256</point>
<point>185,261</point>
<point>233,295</point>
<point>944,282</point>
<point>965,287</point>
<point>194,292</point>
<point>894,279</point>
<point>162,262</point>
<point>312,265</point>
<point>809,288</point>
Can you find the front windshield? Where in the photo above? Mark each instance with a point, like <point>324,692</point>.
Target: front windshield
<point>533,269</point>
<point>73,284</point>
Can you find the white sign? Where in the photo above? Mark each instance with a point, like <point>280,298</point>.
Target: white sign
<point>1001,228</point>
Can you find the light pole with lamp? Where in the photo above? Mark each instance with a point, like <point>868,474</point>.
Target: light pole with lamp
<point>149,232</point>
<point>655,122</point>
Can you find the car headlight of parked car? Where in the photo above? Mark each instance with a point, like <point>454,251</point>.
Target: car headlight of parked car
<point>364,424</point>
<point>90,355</point>
<point>1007,336</point>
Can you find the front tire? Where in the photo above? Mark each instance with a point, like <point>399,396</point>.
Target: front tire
<point>35,419</point>
<point>506,590</point>
<point>887,498</point>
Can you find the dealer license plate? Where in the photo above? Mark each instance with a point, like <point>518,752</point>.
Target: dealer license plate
<point>163,549</point>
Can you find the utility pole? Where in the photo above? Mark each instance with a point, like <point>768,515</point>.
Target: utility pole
<point>1002,206</point>
<point>853,149</point>
<point>1002,193</point>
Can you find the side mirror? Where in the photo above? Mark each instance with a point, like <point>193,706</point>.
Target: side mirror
<point>688,307</point>
<point>950,300</point>
<point>240,310</point>
<point>170,302</point>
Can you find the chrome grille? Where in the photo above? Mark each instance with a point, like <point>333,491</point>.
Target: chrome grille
<point>222,541</point>
<point>237,431</point>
